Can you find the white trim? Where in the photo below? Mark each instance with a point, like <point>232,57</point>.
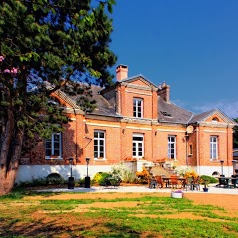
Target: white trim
<point>52,141</point>
<point>97,124</point>
<point>52,158</point>
<point>98,139</point>
<point>214,140</point>
<point>147,94</point>
<point>72,119</point>
<point>137,143</point>
<point>139,128</point>
<point>167,130</point>
<point>170,143</point>
<point>139,109</point>
<point>211,131</point>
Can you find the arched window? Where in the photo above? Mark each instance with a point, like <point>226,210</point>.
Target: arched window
<point>215,119</point>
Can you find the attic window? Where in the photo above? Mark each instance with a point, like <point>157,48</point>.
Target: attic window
<point>166,114</point>
<point>53,101</point>
<point>215,119</point>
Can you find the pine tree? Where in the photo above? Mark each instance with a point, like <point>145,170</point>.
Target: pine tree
<point>45,45</point>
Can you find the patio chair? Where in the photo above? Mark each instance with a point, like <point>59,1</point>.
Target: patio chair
<point>222,181</point>
<point>174,182</point>
<point>159,180</point>
<point>196,183</point>
<point>189,183</point>
<point>234,181</point>
<point>152,182</point>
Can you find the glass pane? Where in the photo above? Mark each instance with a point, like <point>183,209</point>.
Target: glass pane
<point>56,145</point>
<point>101,154</point>
<point>56,153</point>
<point>101,142</point>
<point>56,137</point>
<point>95,142</point>
<point>101,135</point>
<point>48,152</point>
<point>137,138</point>
<point>48,144</point>
<point>95,154</point>
<point>95,134</point>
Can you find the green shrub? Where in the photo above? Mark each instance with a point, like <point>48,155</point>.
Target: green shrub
<point>55,180</point>
<point>209,179</point>
<point>100,178</point>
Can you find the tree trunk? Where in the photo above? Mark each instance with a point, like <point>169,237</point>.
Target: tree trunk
<point>11,146</point>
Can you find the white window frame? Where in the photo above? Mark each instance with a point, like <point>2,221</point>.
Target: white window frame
<point>52,147</point>
<point>172,146</point>
<point>137,145</point>
<point>98,141</point>
<point>213,148</point>
<point>138,109</point>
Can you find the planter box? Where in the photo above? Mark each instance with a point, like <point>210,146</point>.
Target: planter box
<point>176,195</point>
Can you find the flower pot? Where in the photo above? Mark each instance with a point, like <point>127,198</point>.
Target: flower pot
<point>176,195</point>
<point>205,189</point>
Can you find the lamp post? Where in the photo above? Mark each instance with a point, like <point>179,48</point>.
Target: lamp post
<point>234,166</point>
<point>222,162</point>
<point>87,178</point>
<point>71,178</point>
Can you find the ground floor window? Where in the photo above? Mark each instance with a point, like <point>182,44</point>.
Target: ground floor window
<point>138,145</point>
<point>172,147</point>
<point>213,147</point>
<point>53,146</point>
<point>99,144</point>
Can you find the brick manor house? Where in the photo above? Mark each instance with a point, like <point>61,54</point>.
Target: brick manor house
<point>134,120</point>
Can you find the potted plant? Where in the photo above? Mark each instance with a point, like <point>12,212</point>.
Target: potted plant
<point>205,182</point>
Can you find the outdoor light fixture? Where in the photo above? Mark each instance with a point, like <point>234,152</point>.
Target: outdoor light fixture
<point>87,178</point>
<point>71,162</point>
<point>221,161</point>
<point>71,178</point>
<point>87,160</point>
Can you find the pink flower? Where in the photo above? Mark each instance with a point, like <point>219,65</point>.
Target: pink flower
<point>7,71</point>
<point>1,58</point>
<point>14,70</point>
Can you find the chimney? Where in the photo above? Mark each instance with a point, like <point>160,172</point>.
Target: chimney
<point>122,72</point>
<point>164,92</point>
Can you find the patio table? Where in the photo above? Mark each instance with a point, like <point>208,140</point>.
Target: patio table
<point>166,180</point>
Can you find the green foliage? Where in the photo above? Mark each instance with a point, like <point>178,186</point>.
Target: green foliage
<point>101,177</point>
<point>50,44</point>
<point>125,173</point>
<point>235,135</point>
<point>208,179</point>
<point>119,221</point>
<point>36,182</point>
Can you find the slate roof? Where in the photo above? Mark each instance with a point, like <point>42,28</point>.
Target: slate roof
<point>168,112</point>
<point>103,106</point>
<point>171,113</point>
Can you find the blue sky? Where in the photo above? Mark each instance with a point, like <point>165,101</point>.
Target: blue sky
<point>192,45</point>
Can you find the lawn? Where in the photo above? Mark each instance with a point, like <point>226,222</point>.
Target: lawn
<point>111,215</point>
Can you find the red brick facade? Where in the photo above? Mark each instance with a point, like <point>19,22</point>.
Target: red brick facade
<point>192,149</point>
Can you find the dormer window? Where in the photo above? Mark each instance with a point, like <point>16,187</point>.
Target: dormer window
<point>138,107</point>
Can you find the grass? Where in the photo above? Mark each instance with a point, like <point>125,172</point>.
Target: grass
<point>151,216</point>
